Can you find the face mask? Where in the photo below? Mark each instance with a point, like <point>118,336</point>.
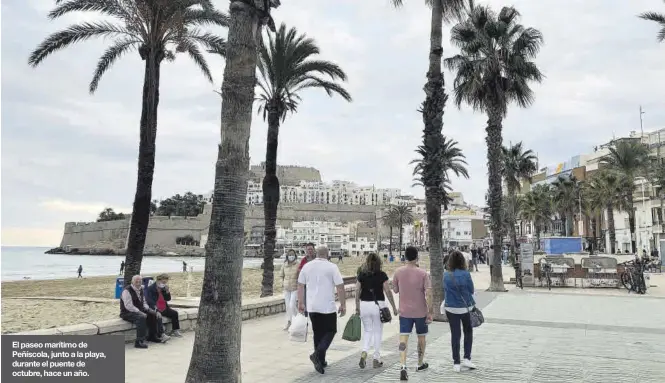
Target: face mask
<point>161,285</point>
<point>291,258</point>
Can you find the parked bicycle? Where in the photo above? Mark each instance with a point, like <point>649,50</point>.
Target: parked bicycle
<point>518,276</point>
<point>546,272</point>
<point>632,278</point>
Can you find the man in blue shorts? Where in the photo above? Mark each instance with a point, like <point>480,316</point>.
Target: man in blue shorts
<point>414,287</point>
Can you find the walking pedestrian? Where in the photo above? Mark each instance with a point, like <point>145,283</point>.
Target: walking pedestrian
<point>321,277</point>
<point>310,254</point>
<point>122,267</point>
<point>372,289</point>
<point>184,266</point>
<point>80,270</point>
<point>415,307</point>
<point>290,283</point>
<point>474,259</point>
<point>458,293</point>
<point>340,258</point>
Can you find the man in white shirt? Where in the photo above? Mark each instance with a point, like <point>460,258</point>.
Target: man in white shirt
<point>321,277</point>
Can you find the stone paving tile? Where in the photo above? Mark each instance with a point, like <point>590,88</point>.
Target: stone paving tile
<point>508,353</point>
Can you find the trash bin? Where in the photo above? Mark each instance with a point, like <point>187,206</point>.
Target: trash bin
<point>147,281</point>
<point>119,285</point>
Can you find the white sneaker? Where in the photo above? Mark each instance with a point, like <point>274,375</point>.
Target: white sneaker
<point>176,333</point>
<point>457,368</point>
<point>468,364</point>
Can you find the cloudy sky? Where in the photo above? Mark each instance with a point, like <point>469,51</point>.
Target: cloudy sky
<point>66,154</point>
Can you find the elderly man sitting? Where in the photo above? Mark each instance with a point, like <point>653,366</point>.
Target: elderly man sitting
<point>134,309</point>
<point>158,295</point>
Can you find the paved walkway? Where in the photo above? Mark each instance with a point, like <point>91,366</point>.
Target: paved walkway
<point>582,336</point>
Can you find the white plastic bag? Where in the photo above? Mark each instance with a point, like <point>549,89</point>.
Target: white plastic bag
<point>298,329</point>
<point>442,308</point>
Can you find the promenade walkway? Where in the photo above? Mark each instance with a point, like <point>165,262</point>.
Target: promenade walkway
<point>529,336</point>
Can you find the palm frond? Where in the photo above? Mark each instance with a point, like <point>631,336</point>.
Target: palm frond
<point>495,65</point>
<point>105,7</point>
<point>108,58</point>
<point>73,34</point>
<point>204,17</point>
<point>658,18</point>
<point>286,67</point>
<point>195,54</point>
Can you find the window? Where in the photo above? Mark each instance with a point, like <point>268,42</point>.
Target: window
<point>353,246</point>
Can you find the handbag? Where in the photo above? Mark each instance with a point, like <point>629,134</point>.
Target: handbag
<point>352,330</point>
<point>384,312</point>
<point>476,315</point>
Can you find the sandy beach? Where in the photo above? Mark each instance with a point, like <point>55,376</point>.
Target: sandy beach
<point>31,314</point>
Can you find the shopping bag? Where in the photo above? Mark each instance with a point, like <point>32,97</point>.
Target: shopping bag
<point>298,329</point>
<point>352,331</point>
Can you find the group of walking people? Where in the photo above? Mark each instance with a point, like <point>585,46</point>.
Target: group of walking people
<point>310,286</point>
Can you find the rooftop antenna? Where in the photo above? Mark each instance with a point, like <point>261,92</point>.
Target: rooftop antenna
<point>641,122</point>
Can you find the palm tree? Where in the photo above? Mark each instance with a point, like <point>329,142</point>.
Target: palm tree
<point>287,66</point>
<point>609,190</point>
<point>518,165</point>
<point>402,215</point>
<point>432,110</point>
<point>565,194</point>
<point>158,30</point>
<point>432,170</point>
<point>216,351</point>
<point>391,220</point>
<point>658,18</point>
<point>494,68</point>
<point>631,159</point>
<point>536,207</point>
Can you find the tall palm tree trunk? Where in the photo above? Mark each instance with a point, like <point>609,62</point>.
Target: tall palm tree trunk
<point>270,201</point>
<point>435,102</point>
<point>631,222</point>
<point>537,237</point>
<point>513,222</point>
<point>610,229</point>
<point>401,233</point>
<point>140,220</point>
<point>390,244</point>
<point>433,211</point>
<point>494,144</point>
<point>216,352</point>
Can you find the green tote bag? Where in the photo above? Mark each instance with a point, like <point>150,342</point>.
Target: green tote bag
<point>353,330</point>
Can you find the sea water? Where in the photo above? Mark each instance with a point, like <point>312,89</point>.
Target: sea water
<point>18,263</point>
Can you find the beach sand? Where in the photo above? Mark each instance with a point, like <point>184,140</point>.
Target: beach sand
<point>30,314</point>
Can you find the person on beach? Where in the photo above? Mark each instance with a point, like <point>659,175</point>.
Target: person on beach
<point>372,289</point>
<point>184,266</point>
<point>134,309</point>
<point>415,307</point>
<point>122,267</point>
<point>290,283</point>
<point>158,295</point>
<point>458,293</point>
<point>321,277</point>
<point>80,270</point>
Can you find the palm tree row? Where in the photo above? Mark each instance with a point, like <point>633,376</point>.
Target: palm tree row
<point>610,189</point>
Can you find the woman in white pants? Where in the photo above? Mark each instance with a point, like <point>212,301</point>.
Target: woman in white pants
<point>289,276</point>
<point>372,289</point>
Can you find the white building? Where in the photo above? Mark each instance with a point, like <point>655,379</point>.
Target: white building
<point>360,246</point>
<point>337,192</point>
<point>317,232</point>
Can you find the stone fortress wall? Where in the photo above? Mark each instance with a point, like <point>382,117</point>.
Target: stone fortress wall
<point>162,231</point>
<point>288,175</point>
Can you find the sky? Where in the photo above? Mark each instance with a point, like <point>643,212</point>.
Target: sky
<point>67,154</point>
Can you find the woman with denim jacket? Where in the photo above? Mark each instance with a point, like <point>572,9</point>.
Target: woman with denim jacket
<point>458,293</point>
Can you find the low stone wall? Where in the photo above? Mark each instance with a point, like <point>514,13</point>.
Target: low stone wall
<point>188,317</point>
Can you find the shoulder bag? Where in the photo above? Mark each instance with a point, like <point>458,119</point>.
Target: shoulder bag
<point>384,312</point>
<point>477,317</point>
